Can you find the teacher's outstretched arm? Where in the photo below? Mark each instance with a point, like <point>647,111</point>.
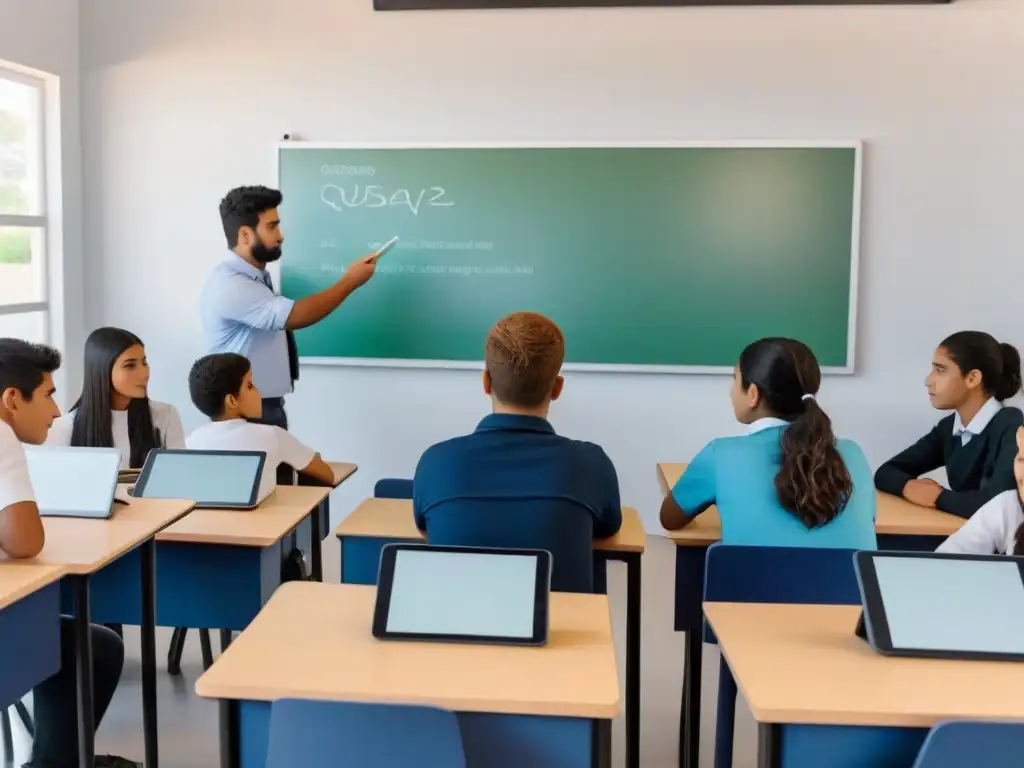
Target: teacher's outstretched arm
<point>313,309</point>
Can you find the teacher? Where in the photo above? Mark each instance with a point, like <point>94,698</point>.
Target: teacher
<point>241,312</point>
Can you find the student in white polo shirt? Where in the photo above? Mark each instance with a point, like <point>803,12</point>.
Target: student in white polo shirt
<point>27,411</point>
<point>221,387</point>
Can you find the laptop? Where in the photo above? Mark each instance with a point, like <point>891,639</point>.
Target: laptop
<point>463,594</point>
<point>73,482</point>
<point>212,479</point>
<point>944,606</point>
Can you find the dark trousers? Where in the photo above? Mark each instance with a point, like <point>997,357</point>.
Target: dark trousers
<point>55,701</point>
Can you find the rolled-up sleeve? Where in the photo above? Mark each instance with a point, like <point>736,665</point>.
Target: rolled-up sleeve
<point>251,303</point>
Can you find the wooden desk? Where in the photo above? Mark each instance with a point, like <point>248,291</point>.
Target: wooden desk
<point>342,471</point>
<point>282,511</point>
<point>20,579</point>
<point>83,546</point>
<point>377,522</point>
<point>899,525</point>
<point>393,519</point>
<point>802,664</point>
<point>116,554</point>
<point>29,627</point>
<point>313,641</point>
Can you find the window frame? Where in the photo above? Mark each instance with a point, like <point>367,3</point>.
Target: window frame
<point>38,221</point>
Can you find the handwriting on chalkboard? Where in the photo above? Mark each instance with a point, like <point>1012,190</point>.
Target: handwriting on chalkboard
<point>375,196</point>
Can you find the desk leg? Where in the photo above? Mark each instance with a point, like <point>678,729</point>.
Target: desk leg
<point>229,734</point>
<point>689,712</point>
<point>316,545</point>
<point>83,665</point>
<point>769,745</point>
<point>601,755</point>
<point>633,603</point>
<point>149,717</point>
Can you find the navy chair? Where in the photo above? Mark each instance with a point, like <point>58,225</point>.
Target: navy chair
<point>564,528</point>
<point>965,743</point>
<point>392,488</point>
<point>741,574</point>
<point>329,734</point>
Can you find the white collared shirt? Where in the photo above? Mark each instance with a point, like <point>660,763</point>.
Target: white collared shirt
<point>993,528</point>
<point>768,422</point>
<point>241,313</point>
<point>981,419</point>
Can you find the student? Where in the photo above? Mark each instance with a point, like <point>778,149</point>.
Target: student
<point>114,409</point>
<point>514,482</point>
<point>27,410</point>
<point>998,526</point>
<point>972,374</point>
<point>222,389</point>
<point>789,482</point>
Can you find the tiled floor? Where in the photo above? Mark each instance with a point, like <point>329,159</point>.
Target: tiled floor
<point>188,724</point>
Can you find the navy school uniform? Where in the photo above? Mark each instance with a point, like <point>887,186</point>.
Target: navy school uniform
<point>978,459</point>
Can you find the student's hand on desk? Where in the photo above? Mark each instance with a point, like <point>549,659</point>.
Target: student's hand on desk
<point>923,492</point>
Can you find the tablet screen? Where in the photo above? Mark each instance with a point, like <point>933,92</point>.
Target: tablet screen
<point>463,593</point>
<point>952,604</point>
<point>205,478</point>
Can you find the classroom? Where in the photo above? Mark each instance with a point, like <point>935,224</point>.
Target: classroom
<point>146,114</point>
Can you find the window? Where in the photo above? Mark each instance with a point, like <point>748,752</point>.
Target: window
<point>24,292</point>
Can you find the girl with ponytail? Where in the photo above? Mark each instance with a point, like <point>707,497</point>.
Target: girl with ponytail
<point>789,482</point>
<point>972,374</point>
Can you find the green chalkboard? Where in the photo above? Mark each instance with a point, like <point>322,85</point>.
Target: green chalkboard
<point>649,258</point>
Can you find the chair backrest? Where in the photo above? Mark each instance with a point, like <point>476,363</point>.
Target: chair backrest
<point>815,575</point>
<point>392,488</point>
<point>562,527</point>
<point>742,574</point>
<point>329,734</point>
<point>960,744</point>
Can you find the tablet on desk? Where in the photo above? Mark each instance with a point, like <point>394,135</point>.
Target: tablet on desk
<point>73,482</point>
<point>463,594</point>
<point>943,605</point>
<point>213,479</point>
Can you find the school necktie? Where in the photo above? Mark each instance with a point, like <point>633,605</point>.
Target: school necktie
<point>293,349</point>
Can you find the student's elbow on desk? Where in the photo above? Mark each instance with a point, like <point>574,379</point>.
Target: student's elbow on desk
<point>673,517</point>
<point>21,530</point>
<point>318,469</point>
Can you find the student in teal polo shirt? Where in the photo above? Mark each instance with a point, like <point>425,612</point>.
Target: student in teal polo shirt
<point>789,482</point>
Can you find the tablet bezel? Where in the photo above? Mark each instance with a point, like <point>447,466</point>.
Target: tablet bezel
<point>139,489</point>
<point>876,622</point>
<point>385,582</point>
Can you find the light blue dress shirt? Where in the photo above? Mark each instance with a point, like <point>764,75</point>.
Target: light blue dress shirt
<point>242,314</point>
<point>738,475</point>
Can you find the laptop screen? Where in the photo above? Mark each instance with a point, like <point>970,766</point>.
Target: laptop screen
<point>952,604</point>
<point>221,478</point>
<point>463,593</point>
<point>78,481</point>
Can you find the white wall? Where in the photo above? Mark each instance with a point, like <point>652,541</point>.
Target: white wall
<point>184,98</point>
<point>44,35</point>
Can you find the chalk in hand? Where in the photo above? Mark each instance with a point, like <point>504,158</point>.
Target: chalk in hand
<point>387,246</point>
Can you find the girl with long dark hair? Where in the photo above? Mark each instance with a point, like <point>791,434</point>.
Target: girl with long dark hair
<point>972,374</point>
<point>789,482</point>
<point>114,409</point>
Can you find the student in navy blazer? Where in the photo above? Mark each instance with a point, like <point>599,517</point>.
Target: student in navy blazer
<point>789,482</point>
<point>513,482</point>
<point>972,374</point>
